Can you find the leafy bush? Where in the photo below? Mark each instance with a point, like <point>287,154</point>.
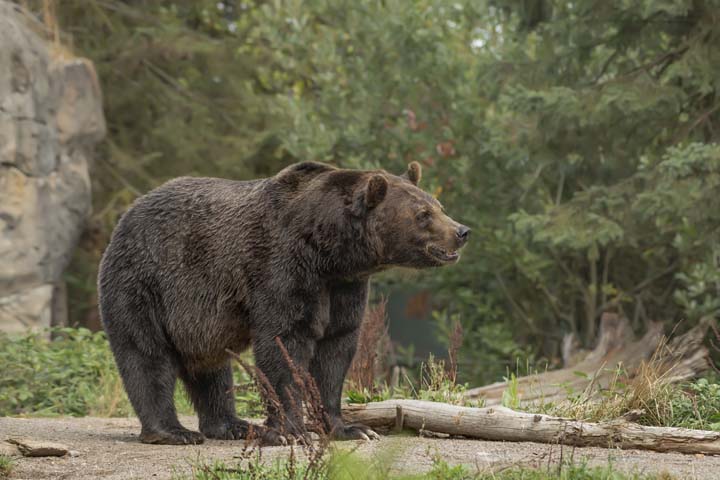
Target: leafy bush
<point>697,405</point>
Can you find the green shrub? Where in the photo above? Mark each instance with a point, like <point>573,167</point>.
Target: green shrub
<point>697,405</point>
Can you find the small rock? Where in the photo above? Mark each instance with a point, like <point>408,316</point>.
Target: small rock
<point>39,448</point>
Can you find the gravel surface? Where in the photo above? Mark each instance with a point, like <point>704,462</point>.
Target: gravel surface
<point>108,448</point>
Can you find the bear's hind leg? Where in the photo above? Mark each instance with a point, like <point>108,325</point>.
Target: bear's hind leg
<point>150,384</point>
<point>211,393</point>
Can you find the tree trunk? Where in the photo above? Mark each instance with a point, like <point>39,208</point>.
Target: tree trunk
<point>683,358</point>
<point>503,424</point>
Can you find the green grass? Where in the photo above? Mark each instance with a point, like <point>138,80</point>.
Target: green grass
<point>697,406</point>
<point>568,472</point>
<point>435,385</point>
<point>75,374</point>
<point>255,471</point>
<point>6,466</point>
<point>694,404</point>
<point>71,375</point>
<point>353,467</point>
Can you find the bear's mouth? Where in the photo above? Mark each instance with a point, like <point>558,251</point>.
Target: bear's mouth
<point>442,254</point>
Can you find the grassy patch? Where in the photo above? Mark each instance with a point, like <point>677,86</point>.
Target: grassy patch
<point>649,396</point>
<point>6,466</point>
<point>75,374</point>
<point>253,471</point>
<point>565,472</point>
<point>436,384</point>
<point>346,466</point>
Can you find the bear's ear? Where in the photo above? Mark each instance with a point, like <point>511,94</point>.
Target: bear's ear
<point>370,195</point>
<point>376,190</point>
<point>414,173</point>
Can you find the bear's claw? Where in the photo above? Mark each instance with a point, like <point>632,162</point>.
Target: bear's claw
<point>175,436</point>
<point>355,432</point>
<point>231,429</point>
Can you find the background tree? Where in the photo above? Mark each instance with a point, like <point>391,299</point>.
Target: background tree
<point>577,138</point>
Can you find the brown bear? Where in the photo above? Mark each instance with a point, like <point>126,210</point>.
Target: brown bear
<point>200,266</point>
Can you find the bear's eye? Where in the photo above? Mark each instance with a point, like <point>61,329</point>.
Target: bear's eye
<point>424,215</point>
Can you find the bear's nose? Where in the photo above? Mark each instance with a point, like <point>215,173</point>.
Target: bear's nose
<point>463,233</point>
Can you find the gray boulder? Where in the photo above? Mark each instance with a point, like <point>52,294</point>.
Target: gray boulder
<point>50,120</point>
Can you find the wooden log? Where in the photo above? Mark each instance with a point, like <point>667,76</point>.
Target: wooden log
<point>685,357</point>
<point>504,424</point>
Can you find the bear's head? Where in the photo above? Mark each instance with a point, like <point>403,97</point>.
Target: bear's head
<point>354,221</point>
<point>410,225</point>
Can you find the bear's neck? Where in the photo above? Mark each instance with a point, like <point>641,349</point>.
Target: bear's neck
<point>346,255</point>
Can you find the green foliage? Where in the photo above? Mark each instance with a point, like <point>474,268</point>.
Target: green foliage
<point>697,405</point>
<point>489,344</point>
<point>342,466</point>
<point>437,386</point>
<point>511,395</point>
<point>278,470</point>
<point>441,470</point>
<point>377,395</point>
<point>434,383</point>
<point>693,404</point>
<point>6,466</point>
<point>566,472</point>
<point>75,374</point>
<point>579,141</point>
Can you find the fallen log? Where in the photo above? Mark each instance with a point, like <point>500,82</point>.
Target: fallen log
<point>504,424</point>
<point>684,358</point>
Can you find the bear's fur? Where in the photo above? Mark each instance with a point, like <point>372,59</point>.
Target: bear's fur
<point>202,265</point>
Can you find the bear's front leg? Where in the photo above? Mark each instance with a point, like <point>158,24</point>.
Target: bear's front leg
<point>284,420</point>
<point>334,354</point>
<point>329,366</point>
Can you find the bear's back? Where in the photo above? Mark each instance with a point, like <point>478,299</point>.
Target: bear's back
<point>184,223</point>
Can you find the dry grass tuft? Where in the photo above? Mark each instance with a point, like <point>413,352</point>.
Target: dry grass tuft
<point>42,17</point>
<point>645,396</point>
<point>302,393</point>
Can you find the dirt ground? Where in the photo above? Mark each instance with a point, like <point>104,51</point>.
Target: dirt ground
<point>108,448</point>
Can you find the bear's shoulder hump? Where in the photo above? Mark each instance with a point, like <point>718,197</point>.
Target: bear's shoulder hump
<point>300,172</point>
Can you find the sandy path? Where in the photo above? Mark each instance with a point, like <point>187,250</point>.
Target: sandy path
<point>107,448</point>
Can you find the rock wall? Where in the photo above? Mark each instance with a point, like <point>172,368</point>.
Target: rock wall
<point>50,119</point>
